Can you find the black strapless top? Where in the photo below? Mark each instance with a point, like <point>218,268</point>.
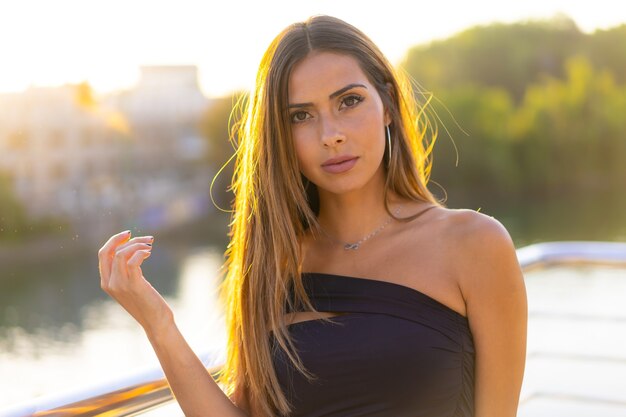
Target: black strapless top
<point>397,353</point>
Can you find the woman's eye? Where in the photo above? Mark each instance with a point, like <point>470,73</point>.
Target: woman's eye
<point>351,100</point>
<point>299,116</point>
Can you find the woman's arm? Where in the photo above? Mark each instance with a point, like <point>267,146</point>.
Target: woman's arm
<point>195,390</point>
<point>495,294</point>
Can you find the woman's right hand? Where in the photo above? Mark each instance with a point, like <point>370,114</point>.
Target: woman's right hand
<point>121,277</point>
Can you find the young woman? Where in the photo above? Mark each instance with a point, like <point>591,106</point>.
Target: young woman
<point>350,291</point>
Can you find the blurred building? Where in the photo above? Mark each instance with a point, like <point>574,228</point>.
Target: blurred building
<point>130,159</point>
<point>164,110</point>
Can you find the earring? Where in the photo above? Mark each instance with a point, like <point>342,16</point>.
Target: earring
<point>388,136</point>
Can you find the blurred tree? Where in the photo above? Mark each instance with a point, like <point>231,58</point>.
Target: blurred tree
<point>13,217</point>
<point>15,224</point>
<point>564,135</point>
<point>571,133</point>
<point>508,56</point>
<point>484,148</point>
<point>218,127</point>
<point>607,51</point>
<point>542,104</point>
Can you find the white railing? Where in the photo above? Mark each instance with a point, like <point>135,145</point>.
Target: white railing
<point>140,393</point>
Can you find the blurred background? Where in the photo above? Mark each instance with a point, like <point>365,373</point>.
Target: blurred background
<point>114,115</point>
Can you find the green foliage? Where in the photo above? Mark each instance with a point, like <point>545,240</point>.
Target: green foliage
<point>15,224</point>
<point>578,126</point>
<point>542,103</point>
<point>12,212</point>
<point>483,149</point>
<point>606,49</point>
<point>565,134</point>
<point>220,119</point>
<point>499,55</point>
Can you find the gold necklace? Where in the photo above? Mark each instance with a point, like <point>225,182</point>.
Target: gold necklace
<point>357,245</point>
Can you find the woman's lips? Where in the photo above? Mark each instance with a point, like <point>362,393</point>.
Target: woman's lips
<point>339,167</point>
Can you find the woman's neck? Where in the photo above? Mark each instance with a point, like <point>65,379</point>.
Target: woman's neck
<point>350,216</point>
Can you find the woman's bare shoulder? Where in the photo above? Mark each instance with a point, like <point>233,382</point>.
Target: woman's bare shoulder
<point>466,226</point>
<point>472,239</point>
<point>457,232</point>
<point>449,244</point>
<point>483,249</point>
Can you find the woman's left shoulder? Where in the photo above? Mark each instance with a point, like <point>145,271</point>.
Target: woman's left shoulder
<point>470,228</point>
<point>484,252</point>
<point>463,230</point>
<point>491,283</point>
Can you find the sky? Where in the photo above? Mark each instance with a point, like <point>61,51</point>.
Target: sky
<point>104,42</point>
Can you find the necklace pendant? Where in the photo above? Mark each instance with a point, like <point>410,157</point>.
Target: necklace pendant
<point>351,246</point>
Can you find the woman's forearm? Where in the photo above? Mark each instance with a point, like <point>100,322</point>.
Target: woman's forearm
<point>193,386</point>
<point>119,262</point>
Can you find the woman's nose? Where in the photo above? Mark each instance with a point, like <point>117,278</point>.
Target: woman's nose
<point>331,134</point>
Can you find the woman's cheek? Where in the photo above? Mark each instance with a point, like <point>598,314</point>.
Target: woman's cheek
<point>303,155</point>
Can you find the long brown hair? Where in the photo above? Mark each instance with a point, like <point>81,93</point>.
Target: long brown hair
<point>274,204</point>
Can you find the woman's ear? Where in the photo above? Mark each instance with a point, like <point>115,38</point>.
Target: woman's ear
<point>387,118</point>
<point>390,92</point>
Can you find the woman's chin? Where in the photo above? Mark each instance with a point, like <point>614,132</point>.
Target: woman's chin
<point>340,187</point>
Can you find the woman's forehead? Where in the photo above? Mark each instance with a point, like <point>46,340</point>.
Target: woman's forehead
<point>322,73</point>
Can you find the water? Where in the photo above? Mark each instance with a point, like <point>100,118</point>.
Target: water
<point>576,358</point>
<point>59,331</point>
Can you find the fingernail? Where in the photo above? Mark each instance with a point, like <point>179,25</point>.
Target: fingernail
<point>149,244</point>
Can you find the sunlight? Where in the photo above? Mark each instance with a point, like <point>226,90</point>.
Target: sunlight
<point>104,43</point>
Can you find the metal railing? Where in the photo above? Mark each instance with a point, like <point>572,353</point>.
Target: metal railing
<point>141,393</point>
<point>128,396</point>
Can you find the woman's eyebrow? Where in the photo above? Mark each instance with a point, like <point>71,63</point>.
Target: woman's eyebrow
<point>331,96</point>
<point>346,88</point>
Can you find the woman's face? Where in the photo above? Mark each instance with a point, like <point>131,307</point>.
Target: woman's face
<point>337,122</point>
